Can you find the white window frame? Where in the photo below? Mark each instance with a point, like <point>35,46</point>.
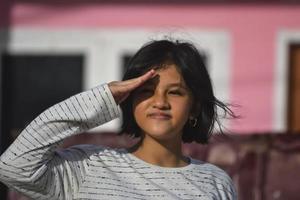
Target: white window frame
<point>280,103</point>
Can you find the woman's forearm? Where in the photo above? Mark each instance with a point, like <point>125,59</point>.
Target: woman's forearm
<point>28,156</point>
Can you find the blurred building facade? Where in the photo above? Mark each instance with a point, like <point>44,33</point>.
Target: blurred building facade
<point>248,46</point>
<point>50,50</point>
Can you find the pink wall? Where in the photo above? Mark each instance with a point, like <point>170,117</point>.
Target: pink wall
<point>253,29</point>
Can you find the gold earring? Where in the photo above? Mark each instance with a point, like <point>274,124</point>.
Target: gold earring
<point>193,122</point>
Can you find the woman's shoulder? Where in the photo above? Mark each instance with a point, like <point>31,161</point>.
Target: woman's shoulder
<point>215,176</point>
<point>206,166</point>
<point>210,171</point>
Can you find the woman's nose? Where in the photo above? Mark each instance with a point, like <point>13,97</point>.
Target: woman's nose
<point>160,101</point>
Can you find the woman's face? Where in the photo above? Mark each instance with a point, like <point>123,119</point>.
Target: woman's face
<point>163,105</point>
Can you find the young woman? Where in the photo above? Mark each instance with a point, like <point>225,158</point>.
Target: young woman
<point>166,97</point>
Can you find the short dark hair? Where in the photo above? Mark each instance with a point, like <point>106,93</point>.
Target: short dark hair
<point>190,62</point>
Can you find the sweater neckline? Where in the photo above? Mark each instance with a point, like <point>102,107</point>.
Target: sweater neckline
<point>191,164</point>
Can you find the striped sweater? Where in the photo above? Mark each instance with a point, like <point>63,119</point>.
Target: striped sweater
<point>34,166</point>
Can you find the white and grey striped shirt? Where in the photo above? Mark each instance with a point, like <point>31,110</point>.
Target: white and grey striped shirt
<point>33,165</point>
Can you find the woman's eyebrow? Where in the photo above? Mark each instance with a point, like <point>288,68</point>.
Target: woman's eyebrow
<point>179,84</point>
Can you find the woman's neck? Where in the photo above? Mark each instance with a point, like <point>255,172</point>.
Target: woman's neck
<point>161,153</point>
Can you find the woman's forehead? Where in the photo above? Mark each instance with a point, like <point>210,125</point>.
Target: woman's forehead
<point>169,77</point>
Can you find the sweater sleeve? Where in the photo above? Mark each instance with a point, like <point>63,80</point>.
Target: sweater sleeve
<point>32,165</point>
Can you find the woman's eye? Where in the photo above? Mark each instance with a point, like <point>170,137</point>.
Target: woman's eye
<point>175,92</point>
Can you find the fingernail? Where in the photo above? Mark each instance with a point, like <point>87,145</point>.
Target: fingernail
<point>153,72</point>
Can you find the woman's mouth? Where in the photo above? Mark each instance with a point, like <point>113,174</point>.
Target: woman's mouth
<point>159,115</point>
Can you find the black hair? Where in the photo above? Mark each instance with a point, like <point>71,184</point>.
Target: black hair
<point>190,62</point>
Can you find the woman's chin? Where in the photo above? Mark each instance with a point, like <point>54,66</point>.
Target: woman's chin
<point>161,135</point>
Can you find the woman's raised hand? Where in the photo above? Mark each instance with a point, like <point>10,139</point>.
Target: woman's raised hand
<point>121,89</point>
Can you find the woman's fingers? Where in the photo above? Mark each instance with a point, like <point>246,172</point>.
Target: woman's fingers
<point>136,82</point>
<point>150,74</point>
<point>121,89</point>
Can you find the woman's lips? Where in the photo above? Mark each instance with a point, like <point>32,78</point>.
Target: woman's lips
<point>159,115</point>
